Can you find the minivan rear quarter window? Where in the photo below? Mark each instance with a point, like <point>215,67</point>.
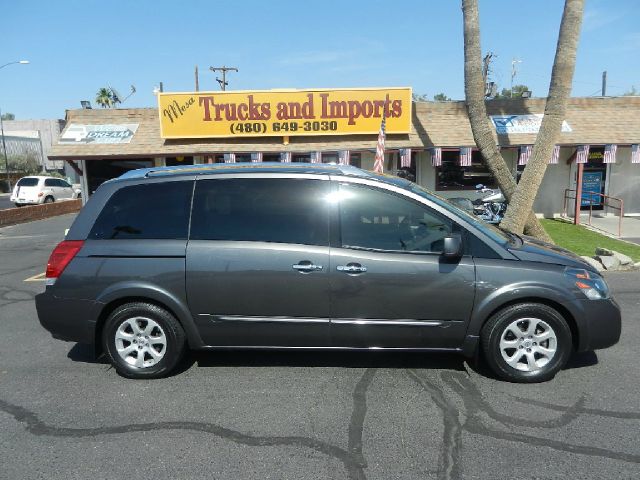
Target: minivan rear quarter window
<point>28,182</point>
<point>276,210</point>
<point>148,211</point>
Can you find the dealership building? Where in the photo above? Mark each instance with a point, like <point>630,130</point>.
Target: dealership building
<point>430,142</point>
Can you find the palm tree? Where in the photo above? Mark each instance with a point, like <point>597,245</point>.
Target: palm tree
<point>554,112</point>
<point>104,97</point>
<point>474,88</point>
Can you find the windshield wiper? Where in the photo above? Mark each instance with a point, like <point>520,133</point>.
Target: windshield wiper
<point>512,235</point>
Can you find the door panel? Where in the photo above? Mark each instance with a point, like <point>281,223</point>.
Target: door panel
<point>410,300</point>
<point>390,285</point>
<point>248,293</point>
<point>257,262</point>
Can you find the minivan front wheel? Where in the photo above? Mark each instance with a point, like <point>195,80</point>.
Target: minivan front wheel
<point>528,342</point>
<point>143,340</point>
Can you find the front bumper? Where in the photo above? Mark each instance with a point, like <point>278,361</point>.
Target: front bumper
<point>599,324</point>
<point>67,319</point>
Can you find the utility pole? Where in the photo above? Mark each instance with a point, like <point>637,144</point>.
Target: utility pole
<point>489,87</point>
<point>197,80</point>
<point>514,72</point>
<point>604,83</point>
<point>223,82</point>
<point>4,149</point>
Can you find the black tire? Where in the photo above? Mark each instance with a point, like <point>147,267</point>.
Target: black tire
<point>18,205</point>
<point>498,325</point>
<point>49,199</point>
<point>172,352</point>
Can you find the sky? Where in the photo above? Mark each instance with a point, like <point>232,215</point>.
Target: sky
<point>76,47</point>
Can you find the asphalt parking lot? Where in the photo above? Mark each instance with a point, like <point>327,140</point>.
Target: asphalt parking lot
<point>301,415</point>
<point>4,202</point>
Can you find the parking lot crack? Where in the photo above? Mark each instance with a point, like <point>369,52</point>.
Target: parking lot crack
<point>36,426</point>
<point>449,467</point>
<point>356,425</point>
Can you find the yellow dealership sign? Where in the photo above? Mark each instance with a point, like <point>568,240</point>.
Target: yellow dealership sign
<point>284,112</point>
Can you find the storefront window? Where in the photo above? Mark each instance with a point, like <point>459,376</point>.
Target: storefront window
<point>407,172</point>
<point>174,161</point>
<point>270,157</point>
<point>301,158</point>
<point>329,157</point>
<point>451,176</point>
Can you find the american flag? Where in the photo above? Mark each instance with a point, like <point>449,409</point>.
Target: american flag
<point>344,157</point>
<point>256,157</point>
<point>378,165</point>
<point>610,153</point>
<point>436,156</point>
<point>229,158</point>
<point>465,156</point>
<point>582,154</point>
<point>555,156</point>
<point>285,157</point>
<point>405,157</point>
<point>316,157</point>
<point>525,153</point>
<point>635,153</point>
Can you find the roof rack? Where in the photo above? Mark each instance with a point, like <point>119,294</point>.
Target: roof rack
<point>324,168</point>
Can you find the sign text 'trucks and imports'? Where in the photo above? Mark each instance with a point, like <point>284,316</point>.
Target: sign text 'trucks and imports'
<point>284,112</point>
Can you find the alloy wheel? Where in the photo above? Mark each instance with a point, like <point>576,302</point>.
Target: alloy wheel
<point>141,342</point>
<point>528,344</point>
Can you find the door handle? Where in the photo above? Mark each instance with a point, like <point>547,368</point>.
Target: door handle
<point>307,267</point>
<point>351,268</point>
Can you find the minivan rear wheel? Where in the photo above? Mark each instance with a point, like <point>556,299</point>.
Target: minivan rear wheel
<point>526,343</point>
<point>143,340</point>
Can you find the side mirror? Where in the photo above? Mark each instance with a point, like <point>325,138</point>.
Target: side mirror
<point>452,246</point>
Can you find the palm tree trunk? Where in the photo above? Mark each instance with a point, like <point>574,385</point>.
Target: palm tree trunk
<point>554,112</point>
<point>481,128</point>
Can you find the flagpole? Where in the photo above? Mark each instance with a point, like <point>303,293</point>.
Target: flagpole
<point>378,164</point>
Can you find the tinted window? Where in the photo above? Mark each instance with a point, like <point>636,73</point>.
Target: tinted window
<point>28,182</point>
<point>378,220</point>
<point>261,210</point>
<point>156,210</point>
<point>63,184</point>
<point>50,182</point>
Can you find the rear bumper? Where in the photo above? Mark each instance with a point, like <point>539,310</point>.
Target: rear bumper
<point>67,319</point>
<point>25,201</point>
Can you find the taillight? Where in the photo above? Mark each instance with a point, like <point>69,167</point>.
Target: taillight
<point>60,258</point>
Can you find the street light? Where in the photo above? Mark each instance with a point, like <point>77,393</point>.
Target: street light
<point>4,145</point>
<point>22,62</point>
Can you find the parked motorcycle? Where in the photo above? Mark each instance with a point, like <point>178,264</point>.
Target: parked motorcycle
<point>491,207</point>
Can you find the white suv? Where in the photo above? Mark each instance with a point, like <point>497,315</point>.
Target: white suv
<point>39,189</point>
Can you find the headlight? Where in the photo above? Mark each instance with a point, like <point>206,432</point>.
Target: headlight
<point>592,285</point>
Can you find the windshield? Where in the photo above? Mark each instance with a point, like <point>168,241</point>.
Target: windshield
<point>491,231</point>
<point>28,182</point>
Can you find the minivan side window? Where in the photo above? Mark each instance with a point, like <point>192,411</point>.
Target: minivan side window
<point>280,210</point>
<point>50,182</point>
<point>146,211</point>
<point>377,220</point>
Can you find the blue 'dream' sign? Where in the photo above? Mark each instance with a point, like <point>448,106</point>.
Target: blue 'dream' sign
<point>591,183</point>
<point>508,124</point>
<point>83,134</point>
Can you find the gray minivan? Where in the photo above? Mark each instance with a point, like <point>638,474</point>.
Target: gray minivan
<point>322,257</point>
